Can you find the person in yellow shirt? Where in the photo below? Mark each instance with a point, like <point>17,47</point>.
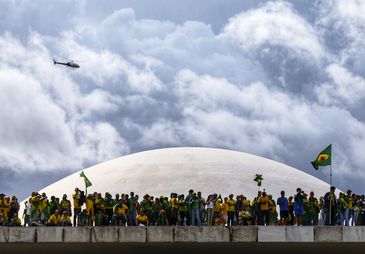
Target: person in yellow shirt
<point>224,209</point>
<point>6,206</point>
<point>120,212</point>
<point>65,205</point>
<point>15,221</point>
<point>142,219</point>
<point>264,206</point>
<point>174,209</point>
<point>90,208</point>
<point>217,201</point>
<point>65,219</point>
<point>78,198</point>
<point>231,213</point>
<point>43,208</point>
<point>54,220</point>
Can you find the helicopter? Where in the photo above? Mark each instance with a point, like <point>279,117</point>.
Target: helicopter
<point>70,64</point>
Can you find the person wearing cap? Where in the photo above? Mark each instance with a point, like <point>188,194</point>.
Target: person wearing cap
<point>55,219</point>
<point>65,220</point>
<point>330,205</point>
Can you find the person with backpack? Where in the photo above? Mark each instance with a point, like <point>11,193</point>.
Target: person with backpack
<point>78,202</point>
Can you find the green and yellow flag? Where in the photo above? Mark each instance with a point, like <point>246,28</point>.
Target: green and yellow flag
<point>258,179</point>
<point>323,158</point>
<point>87,181</point>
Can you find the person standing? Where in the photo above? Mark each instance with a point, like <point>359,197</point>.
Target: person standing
<point>133,200</point>
<point>194,204</point>
<point>264,206</point>
<point>330,203</point>
<point>210,205</point>
<point>284,208</point>
<point>231,210</point>
<point>299,206</point>
<point>314,209</point>
<point>76,197</point>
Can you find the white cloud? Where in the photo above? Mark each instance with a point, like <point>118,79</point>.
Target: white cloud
<point>147,83</point>
<point>275,23</point>
<point>45,117</point>
<point>345,88</point>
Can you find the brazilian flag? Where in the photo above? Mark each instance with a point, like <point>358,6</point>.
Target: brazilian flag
<point>258,179</point>
<point>323,158</point>
<point>87,181</point>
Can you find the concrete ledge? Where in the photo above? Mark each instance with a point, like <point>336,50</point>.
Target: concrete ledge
<point>104,235</point>
<point>49,234</point>
<point>132,234</point>
<point>160,234</point>
<point>353,234</point>
<point>4,234</point>
<point>187,234</point>
<point>244,234</point>
<point>328,234</point>
<point>22,235</point>
<point>201,234</point>
<point>299,234</point>
<point>271,234</point>
<point>77,234</point>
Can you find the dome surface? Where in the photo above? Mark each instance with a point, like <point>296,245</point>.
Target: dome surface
<point>209,170</point>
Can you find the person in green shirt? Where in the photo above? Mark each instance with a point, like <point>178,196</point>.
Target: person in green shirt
<point>342,206</point>
<point>314,209</point>
<point>194,204</point>
<point>133,200</point>
<point>162,219</point>
<point>156,208</point>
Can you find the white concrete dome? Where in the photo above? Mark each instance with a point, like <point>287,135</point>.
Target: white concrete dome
<point>162,171</point>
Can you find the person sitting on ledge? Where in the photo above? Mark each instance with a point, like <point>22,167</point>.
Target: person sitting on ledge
<point>54,220</point>
<point>142,219</point>
<point>15,221</point>
<point>65,219</point>
<point>83,218</point>
<point>162,219</point>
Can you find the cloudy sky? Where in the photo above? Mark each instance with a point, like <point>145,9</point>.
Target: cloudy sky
<point>279,79</point>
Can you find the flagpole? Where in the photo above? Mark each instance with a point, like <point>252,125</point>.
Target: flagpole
<point>331,174</point>
<point>331,165</point>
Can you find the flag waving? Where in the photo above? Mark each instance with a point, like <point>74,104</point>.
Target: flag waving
<point>258,179</point>
<point>87,181</point>
<point>323,158</point>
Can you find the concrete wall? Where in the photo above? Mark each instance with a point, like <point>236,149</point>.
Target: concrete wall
<point>182,234</point>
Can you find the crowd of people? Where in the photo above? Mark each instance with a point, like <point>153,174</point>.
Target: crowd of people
<point>130,210</point>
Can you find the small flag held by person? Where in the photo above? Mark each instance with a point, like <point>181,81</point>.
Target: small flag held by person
<point>323,158</point>
<point>258,179</point>
<point>87,181</point>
